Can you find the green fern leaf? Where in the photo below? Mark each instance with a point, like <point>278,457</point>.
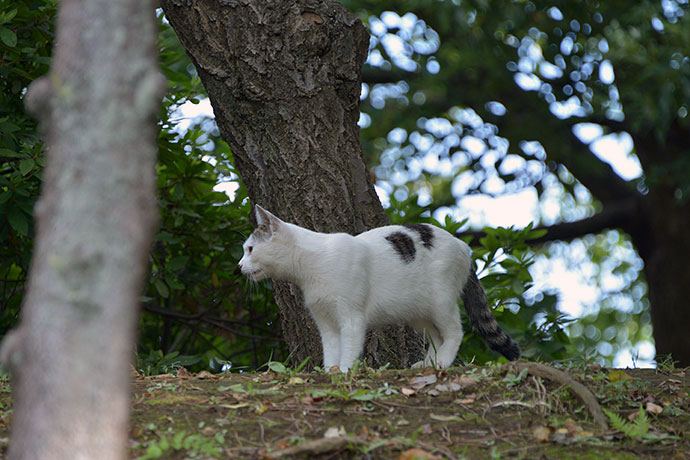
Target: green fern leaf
<point>638,429</point>
<point>641,423</point>
<point>617,423</point>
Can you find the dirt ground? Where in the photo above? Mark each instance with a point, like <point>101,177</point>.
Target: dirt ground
<point>469,412</point>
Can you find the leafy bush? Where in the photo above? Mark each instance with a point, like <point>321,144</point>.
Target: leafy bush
<point>26,37</point>
<point>196,301</point>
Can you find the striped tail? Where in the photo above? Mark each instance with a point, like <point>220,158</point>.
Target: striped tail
<point>483,321</point>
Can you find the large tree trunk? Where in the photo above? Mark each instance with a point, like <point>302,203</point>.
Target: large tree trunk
<point>663,242</point>
<point>96,216</point>
<point>284,78</point>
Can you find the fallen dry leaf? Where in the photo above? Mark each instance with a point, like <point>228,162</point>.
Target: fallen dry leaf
<point>445,418</point>
<point>234,406</point>
<point>421,381</point>
<point>162,376</point>
<point>205,375</point>
<point>183,373</point>
<point>296,381</point>
<point>615,376</point>
<point>653,408</point>
<point>466,381</point>
<point>417,454</point>
<point>560,436</point>
<point>450,386</point>
<point>208,431</point>
<point>541,433</point>
<point>408,391</point>
<point>260,409</point>
<point>572,427</point>
<point>268,376</point>
<point>335,432</point>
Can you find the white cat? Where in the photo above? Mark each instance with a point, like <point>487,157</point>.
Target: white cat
<point>411,274</point>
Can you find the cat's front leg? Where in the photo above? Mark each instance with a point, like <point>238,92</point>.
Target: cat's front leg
<point>331,349</point>
<point>330,340</point>
<point>352,336</point>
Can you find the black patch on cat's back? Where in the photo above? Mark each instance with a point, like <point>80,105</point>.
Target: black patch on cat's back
<point>403,245</point>
<point>425,232</point>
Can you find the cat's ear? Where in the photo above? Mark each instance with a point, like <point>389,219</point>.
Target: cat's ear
<point>264,217</point>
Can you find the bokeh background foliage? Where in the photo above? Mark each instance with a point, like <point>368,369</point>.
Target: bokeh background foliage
<point>429,149</point>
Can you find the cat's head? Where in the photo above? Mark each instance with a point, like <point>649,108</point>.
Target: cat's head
<point>268,250</point>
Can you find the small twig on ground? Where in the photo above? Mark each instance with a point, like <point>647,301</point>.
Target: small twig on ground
<point>261,428</point>
<point>316,447</point>
<point>443,450</point>
<point>542,395</point>
<point>581,391</point>
<point>516,403</point>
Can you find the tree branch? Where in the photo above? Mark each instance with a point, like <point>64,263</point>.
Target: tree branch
<point>619,215</point>
<point>215,322</point>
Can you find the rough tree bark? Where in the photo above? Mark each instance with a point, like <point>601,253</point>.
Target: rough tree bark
<point>659,231</point>
<point>284,79</point>
<point>96,217</point>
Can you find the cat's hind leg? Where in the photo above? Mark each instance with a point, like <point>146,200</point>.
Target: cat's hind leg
<point>433,338</point>
<point>447,321</point>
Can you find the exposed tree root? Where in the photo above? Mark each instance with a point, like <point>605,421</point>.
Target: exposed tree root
<point>581,391</point>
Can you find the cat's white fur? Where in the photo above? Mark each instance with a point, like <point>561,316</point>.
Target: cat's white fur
<point>351,283</point>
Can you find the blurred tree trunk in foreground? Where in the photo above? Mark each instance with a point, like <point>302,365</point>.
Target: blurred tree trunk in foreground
<point>70,354</point>
<point>284,78</point>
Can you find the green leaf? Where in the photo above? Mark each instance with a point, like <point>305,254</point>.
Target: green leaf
<point>277,367</point>
<point>162,288</point>
<point>174,283</point>
<point>26,166</point>
<point>164,443</point>
<point>7,153</point>
<point>363,395</point>
<point>9,15</point>
<point>8,37</point>
<point>18,221</point>
<point>178,262</point>
<point>177,440</point>
<point>178,192</point>
<point>153,451</point>
<point>534,234</point>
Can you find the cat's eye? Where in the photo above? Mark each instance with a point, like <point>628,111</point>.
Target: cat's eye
<point>249,249</point>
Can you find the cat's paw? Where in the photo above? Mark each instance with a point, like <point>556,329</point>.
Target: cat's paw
<point>419,365</point>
